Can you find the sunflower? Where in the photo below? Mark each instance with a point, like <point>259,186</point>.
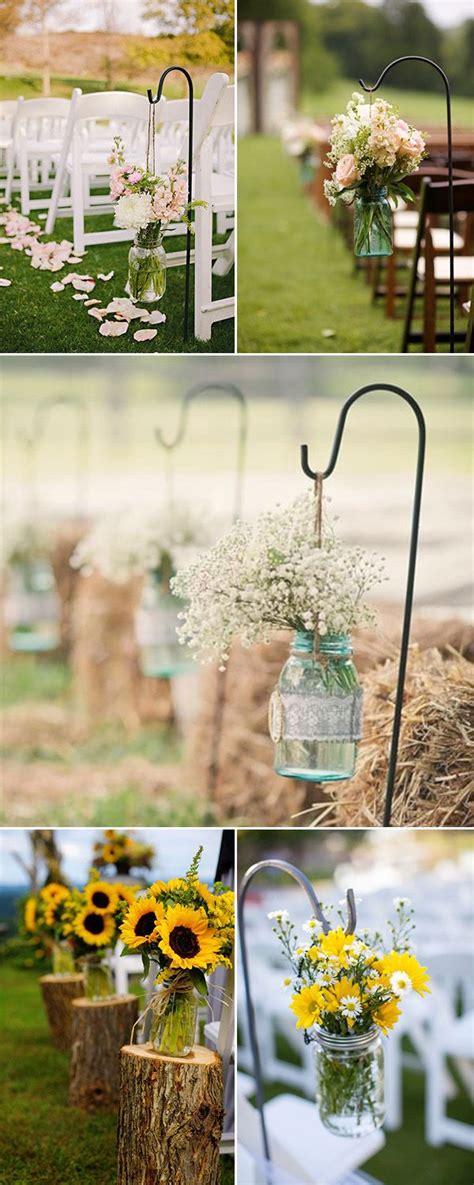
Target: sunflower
<point>111,853</point>
<point>307,1006</point>
<point>187,939</point>
<point>30,914</point>
<point>165,888</point>
<point>396,961</point>
<point>110,833</point>
<point>125,892</point>
<point>54,892</point>
<point>140,923</point>
<point>101,896</point>
<point>386,1015</point>
<point>95,929</point>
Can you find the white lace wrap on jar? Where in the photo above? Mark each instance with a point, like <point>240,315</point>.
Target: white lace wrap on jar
<point>324,717</point>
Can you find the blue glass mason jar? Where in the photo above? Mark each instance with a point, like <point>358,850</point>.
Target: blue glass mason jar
<point>373,224</point>
<point>315,711</point>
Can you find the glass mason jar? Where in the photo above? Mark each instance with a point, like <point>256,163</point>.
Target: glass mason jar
<point>174,1020</point>
<point>350,1082</point>
<point>373,224</point>
<point>156,622</point>
<point>32,607</point>
<point>63,959</point>
<point>98,980</point>
<point>315,711</point>
<point>147,266</point>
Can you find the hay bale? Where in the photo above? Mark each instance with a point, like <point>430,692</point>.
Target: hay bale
<point>108,683</point>
<point>66,578</point>
<point>246,788</point>
<point>434,784</point>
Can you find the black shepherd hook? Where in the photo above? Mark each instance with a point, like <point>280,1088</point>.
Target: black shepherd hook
<point>428,61</point>
<point>299,876</point>
<point>39,422</point>
<point>170,445</point>
<point>415,523</point>
<point>153,102</point>
<point>194,393</point>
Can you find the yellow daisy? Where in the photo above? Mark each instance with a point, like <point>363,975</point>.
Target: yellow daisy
<point>95,929</point>
<point>101,896</point>
<point>336,944</point>
<point>387,1015</point>
<point>395,961</point>
<point>140,923</point>
<point>187,939</point>
<point>344,998</point>
<point>307,1006</point>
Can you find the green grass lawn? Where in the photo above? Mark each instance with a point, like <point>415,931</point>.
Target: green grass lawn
<point>415,106</point>
<point>36,320</point>
<point>296,275</point>
<point>44,1141</point>
<point>406,1156</point>
<point>30,86</point>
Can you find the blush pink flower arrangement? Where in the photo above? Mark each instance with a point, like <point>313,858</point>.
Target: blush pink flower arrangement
<point>371,149</point>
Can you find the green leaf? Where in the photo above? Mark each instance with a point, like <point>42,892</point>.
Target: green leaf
<point>199,981</point>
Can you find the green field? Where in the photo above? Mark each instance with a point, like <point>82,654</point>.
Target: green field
<point>298,288</point>
<point>30,86</point>
<point>42,1140</point>
<point>421,107</point>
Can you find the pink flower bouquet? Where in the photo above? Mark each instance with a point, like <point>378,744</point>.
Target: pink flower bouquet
<point>372,150</point>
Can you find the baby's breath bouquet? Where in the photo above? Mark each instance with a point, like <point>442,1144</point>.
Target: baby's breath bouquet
<point>187,928</point>
<point>372,150</point>
<point>272,575</point>
<point>349,989</point>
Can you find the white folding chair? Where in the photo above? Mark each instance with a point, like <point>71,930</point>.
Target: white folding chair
<point>9,112</point>
<point>40,128</point>
<point>219,1035</point>
<point>451,1036</point>
<point>123,966</point>
<point>217,189</point>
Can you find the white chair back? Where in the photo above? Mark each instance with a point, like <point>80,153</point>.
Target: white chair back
<point>43,119</point>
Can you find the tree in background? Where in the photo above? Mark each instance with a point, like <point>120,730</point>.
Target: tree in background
<point>39,12</point>
<point>10,16</point>
<point>45,862</point>
<point>195,17</point>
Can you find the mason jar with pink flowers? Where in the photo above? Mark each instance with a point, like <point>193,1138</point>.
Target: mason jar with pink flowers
<point>146,203</point>
<point>372,151</point>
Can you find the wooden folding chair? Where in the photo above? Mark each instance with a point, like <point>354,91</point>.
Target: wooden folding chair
<point>430,269</point>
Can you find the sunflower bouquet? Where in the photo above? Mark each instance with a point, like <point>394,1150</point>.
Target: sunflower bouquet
<point>348,991</point>
<point>89,923</point>
<point>122,852</point>
<point>187,929</point>
<point>42,923</point>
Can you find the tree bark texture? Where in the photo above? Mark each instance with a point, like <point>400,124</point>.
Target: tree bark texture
<point>99,1029</point>
<point>171,1117</point>
<point>58,993</point>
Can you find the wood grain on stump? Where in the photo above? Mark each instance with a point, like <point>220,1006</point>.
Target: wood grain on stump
<point>99,1029</point>
<point>170,1119</point>
<point>58,993</point>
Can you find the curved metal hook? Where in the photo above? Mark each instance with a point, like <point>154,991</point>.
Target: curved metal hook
<point>323,474</point>
<point>410,584</point>
<point>370,89</point>
<point>153,101</point>
<point>200,389</point>
<point>39,422</point>
<point>302,880</point>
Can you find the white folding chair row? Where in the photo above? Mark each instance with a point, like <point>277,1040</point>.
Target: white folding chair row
<point>39,134</point>
<point>9,112</point>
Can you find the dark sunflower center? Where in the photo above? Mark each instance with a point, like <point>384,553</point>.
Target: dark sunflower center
<point>94,923</point>
<point>184,942</point>
<point>100,899</point>
<point>145,925</point>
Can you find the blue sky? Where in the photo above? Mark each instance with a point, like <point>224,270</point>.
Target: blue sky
<point>174,848</point>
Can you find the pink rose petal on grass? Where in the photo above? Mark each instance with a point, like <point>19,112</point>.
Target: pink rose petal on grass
<point>97,313</point>
<point>4,283</point>
<point>105,278</point>
<point>144,335</point>
<point>57,286</point>
<point>79,296</point>
<point>89,302</point>
<point>83,284</point>
<point>154,318</point>
<point>113,328</point>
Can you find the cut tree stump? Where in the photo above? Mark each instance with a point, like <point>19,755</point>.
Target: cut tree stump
<point>58,993</point>
<point>170,1119</point>
<point>99,1029</point>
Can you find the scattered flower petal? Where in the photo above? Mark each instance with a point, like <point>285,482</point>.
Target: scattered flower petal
<point>144,335</point>
<point>107,277</point>
<point>113,328</point>
<point>94,300</point>
<point>98,313</point>
<point>57,286</point>
<point>4,283</point>
<point>79,296</point>
<point>328,333</point>
<point>154,318</point>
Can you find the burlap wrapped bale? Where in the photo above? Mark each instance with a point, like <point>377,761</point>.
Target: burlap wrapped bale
<point>246,788</point>
<point>66,578</point>
<point>108,683</point>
